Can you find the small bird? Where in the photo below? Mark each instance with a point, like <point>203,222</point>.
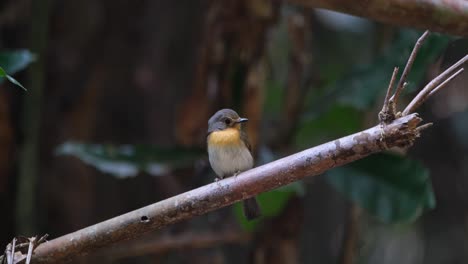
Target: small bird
<point>229,151</point>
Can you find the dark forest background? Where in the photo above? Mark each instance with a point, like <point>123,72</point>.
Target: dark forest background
<point>115,118</point>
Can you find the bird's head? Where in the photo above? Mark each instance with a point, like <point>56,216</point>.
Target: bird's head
<point>225,119</point>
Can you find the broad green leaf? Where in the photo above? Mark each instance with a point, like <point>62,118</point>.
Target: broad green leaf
<point>394,189</point>
<point>338,121</point>
<point>272,203</point>
<point>362,87</point>
<point>3,74</point>
<point>16,60</point>
<point>128,160</point>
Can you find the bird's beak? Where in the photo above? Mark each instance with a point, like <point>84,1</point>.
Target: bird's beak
<point>242,120</point>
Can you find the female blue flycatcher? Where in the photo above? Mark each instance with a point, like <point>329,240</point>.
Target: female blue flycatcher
<point>229,151</point>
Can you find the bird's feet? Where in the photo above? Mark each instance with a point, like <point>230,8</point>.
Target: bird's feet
<point>218,179</point>
<point>237,173</point>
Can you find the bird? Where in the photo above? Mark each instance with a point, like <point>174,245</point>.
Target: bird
<point>230,153</point>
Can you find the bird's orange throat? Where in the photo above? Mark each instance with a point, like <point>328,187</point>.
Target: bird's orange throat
<point>229,136</point>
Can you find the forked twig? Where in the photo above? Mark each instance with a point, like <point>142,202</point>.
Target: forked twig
<point>388,108</point>
<point>389,112</point>
<point>15,249</point>
<point>442,85</point>
<point>409,64</point>
<point>437,83</point>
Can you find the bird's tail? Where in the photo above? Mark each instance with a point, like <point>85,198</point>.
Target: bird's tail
<point>251,209</point>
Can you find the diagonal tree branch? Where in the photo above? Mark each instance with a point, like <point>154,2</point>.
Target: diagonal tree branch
<point>445,16</point>
<point>314,161</point>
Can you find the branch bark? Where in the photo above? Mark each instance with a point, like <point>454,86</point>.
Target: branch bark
<point>314,161</point>
<point>445,16</point>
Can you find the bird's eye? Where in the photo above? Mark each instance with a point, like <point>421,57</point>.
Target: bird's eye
<point>227,121</point>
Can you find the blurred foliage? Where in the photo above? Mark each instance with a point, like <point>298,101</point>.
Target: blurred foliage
<point>15,61</point>
<point>278,51</point>
<point>271,203</point>
<point>274,97</point>
<point>337,122</point>
<point>12,62</point>
<point>362,86</point>
<point>394,189</point>
<point>129,160</point>
<point>358,77</point>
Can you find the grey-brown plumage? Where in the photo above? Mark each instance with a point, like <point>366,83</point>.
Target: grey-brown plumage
<point>229,151</point>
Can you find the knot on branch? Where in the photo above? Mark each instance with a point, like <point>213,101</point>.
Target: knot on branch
<point>403,134</point>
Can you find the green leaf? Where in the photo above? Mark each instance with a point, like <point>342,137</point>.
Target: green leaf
<point>3,74</point>
<point>15,61</point>
<point>338,121</point>
<point>271,203</point>
<point>362,87</point>
<point>128,160</point>
<point>392,188</point>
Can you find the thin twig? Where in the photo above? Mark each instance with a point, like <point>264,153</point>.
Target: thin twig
<point>444,83</point>
<point>387,115</point>
<point>425,126</point>
<point>389,112</point>
<point>423,94</point>
<point>32,241</point>
<point>408,66</point>
<point>22,246</point>
<point>42,239</point>
<point>12,252</point>
<point>390,85</point>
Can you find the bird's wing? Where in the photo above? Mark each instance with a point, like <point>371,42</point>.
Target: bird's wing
<point>244,138</point>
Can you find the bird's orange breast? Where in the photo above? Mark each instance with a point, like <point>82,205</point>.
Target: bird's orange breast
<point>229,136</point>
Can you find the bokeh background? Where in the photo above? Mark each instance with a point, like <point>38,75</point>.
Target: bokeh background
<point>115,118</point>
